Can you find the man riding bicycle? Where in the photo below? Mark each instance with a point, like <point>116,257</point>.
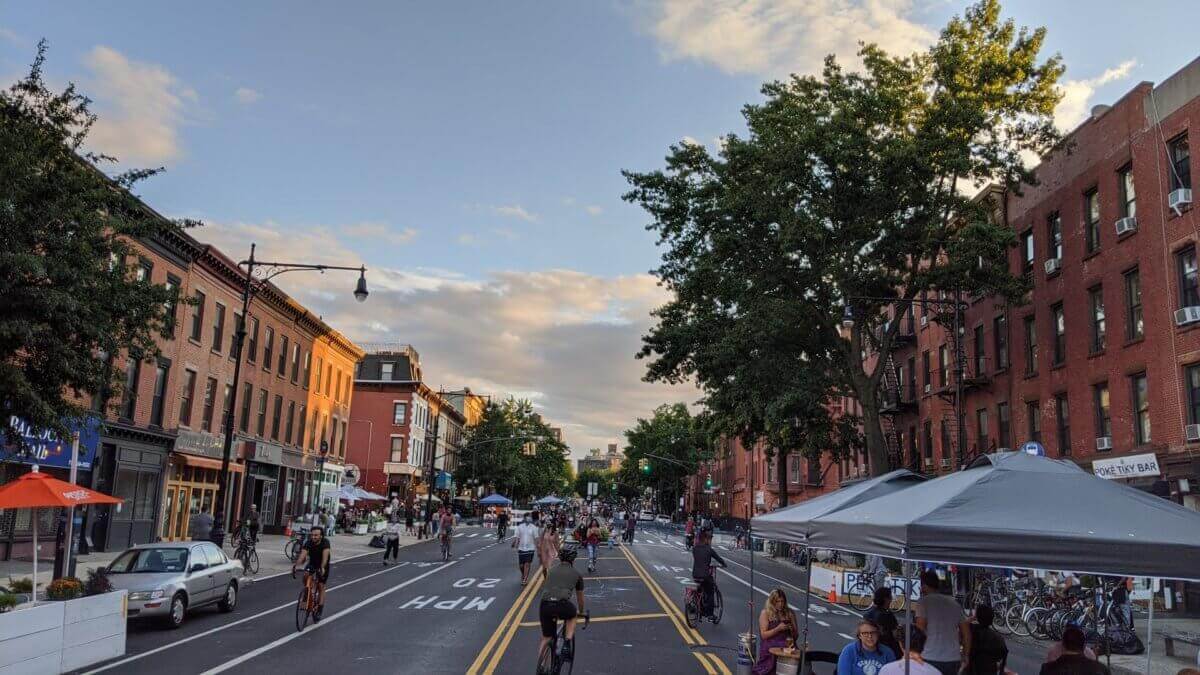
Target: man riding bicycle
<point>446,527</point>
<point>703,557</point>
<point>556,605</point>
<point>314,556</point>
<point>502,524</point>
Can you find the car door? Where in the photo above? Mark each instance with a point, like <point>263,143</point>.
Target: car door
<point>221,569</point>
<point>198,578</point>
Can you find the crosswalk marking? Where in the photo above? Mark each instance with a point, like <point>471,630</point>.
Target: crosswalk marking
<point>821,623</point>
<point>848,637</point>
<point>473,534</point>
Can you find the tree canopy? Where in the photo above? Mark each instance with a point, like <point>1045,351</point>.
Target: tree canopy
<point>672,443</point>
<point>70,298</point>
<point>495,452</point>
<point>848,188</point>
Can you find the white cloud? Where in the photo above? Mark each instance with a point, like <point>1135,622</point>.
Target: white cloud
<point>593,210</point>
<point>688,140</point>
<point>140,108</point>
<point>1077,94</point>
<point>381,232</point>
<point>776,37</point>
<point>515,211</point>
<point>246,95</point>
<point>11,36</point>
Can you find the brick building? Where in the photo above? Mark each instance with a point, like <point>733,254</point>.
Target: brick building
<point>392,425</point>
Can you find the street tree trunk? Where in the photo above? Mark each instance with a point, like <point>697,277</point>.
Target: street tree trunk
<point>877,451</point>
<point>781,476</point>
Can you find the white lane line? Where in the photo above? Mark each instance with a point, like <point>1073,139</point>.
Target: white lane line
<point>814,596</point>
<point>324,622</point>
<point>821,623</point>
<point>473,534</point>
<point>252,617</point>
<point>848,637</point>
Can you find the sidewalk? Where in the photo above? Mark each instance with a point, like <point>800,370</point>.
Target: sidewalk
<point>272,559</point>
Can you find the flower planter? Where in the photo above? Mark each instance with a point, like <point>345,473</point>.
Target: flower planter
<point>360,528</point>
<point>57,637</point>
<point>378,526</point>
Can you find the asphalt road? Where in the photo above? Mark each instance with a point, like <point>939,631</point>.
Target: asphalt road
<point>471,615</point>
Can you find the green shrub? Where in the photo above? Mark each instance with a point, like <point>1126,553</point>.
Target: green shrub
<point>20,585</point>
<point>7,602</point>
<point>97,582</point>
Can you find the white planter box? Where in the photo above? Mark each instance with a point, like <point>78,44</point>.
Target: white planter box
<point>379,527</point>
<point>360,528</point>
<point>57,637</point>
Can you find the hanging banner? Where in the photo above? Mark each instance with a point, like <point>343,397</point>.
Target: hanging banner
<point>45,449</point>
<point>1133,466</point>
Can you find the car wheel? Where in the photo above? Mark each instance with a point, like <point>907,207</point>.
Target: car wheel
<point>178,611</point>
<point>229,602</point>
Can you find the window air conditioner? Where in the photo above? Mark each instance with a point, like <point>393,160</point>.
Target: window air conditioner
<point>1187,315</point>
<point>928,461</point>
<point>1192,432</point>
<point>1179,199</point>
<point>1104,443</point>
<point>945,463</point>
<point>1053,266</point>
<point>928,388</point>
<point>924,320</point>
<point>1003,449</point>
<point>1126,224</point>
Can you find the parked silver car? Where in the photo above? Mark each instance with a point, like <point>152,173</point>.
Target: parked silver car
<point>167,580</point>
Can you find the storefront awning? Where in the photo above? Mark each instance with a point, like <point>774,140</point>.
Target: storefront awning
<point>206,462</point>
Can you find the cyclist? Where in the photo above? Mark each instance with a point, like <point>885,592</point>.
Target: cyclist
<point>446,527</point>
<point>556,605</point>
<point>502,524</point>
<point>703,557</point>
<point>315,557</point>
<point>689,533</point>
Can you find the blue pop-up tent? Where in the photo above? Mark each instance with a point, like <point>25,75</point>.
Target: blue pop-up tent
<point>549,500</point>
<point>495,499</point>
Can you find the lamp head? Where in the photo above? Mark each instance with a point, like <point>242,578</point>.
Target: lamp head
<point>360,290</point>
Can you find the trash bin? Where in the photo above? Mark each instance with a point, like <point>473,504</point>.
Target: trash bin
<point>746,651</point>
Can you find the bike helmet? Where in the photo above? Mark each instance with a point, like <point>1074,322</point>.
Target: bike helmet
<point>568,554</point>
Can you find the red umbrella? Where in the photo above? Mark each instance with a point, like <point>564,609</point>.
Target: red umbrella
<point>34,490</point>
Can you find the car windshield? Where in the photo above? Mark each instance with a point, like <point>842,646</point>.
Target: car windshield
<point>150,560</point>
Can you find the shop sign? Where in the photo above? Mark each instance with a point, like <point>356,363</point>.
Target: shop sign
<point>352,474</point>
<point>267,453</point>
<point>46,449</point>
<point>1133,466</point>
<point>295,460</point>
<point>200,443</point>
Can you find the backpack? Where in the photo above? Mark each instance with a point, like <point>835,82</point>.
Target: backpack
<point>377,542</point>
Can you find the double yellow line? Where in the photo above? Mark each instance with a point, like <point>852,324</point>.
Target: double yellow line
<point>508,626</point>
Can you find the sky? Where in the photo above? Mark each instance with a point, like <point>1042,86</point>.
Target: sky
<point>469,154</point>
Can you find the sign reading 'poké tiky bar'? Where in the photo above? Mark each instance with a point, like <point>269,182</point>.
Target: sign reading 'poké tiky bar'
<point>1133,466</point>
<point>45,448</point>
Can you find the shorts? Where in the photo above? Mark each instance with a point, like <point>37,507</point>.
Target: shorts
<point>525,557</point>
<point>323,578</point>
<point>552,611</point>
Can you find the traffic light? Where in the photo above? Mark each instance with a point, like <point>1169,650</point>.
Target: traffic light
<point>708,482</point>
<point>644,465</point>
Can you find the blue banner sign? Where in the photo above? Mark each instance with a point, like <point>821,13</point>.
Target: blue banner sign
<point>46,449</point>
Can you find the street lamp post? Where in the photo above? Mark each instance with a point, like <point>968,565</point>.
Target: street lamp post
<point>959,307</point>
<point>258,273</point>
<point>316,501</point>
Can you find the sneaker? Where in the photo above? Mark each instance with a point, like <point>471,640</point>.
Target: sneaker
<point>317,614</point>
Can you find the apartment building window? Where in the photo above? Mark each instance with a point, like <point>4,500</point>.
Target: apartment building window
<point>302,419</point>
<point>1141,408</point>
<point>252,341</point>
<point>1128,194</point>
<point>186,392</point>
<point>172,306</point>
<point>197,316</point>
<point>397,450</point>
<point>1100,403</point>
<point>276,417</point>
<point>342,439</point>
<point>1134,328</point>
<point>1003,419</point>
<point>307,369</point>
<point>237,321</point>
<point>1181,168</point>
<point>247,393</point>
<point>900,386</point>
<point>328,379</point>
<point>160,391</point>
<point>1099,325</point>
<point>316,386</point>
<point>133,368</point>
<point>283,354</point>
<point>1193,390</point>
<point>260,425</point>
<point>1054,236</point>
<point>337,379</point>
<point>385,370</point>
<point>218,328</point>
<point>1060,334</point>
<point>210,403</point>
<point>225,406</point>
<point>980,354</point>
<point>295,362</point>
<point>312,431</point>
<point>912,378</point>
<point>1000,330</point>
<point>943,366</point>
<point>291,423</point>
<point>981,429</point>
<point>1027,252</point>
<point>927,439</point>
<point>947,447</point>
<point>1030,345</point>
<point>912,446</point>
<point>1033,413</point>
<point>399,413</point>
<point>324,427</point>
<point>268,347</point>
<point>1189,284</point>
<point>1063,421</point>
<point>928,369</point>
<point>1091,220</point>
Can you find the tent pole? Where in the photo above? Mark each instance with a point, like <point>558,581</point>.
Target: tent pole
<point>908,612</point>
<point>803,646</point>
<point>1150,630</point>
<point>35,554</point>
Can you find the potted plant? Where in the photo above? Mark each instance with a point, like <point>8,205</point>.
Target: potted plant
<point>65,588</point>
<point>97,582</point>
<point>8,601</point>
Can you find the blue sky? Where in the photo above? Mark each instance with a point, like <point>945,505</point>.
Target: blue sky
<point>469,154</point>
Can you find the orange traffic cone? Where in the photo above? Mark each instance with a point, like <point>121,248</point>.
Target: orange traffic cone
<point>833,593</point>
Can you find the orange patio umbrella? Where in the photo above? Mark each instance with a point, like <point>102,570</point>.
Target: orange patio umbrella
<point>35,490</point>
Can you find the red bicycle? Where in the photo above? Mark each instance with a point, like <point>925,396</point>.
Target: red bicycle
<point>693,601</point>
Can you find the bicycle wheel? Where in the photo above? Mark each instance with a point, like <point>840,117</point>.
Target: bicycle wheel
<point>545,664</point>
<point>251,562</point>
<point>862,595</point>
<point>567,665</point>
<point>291,549</point>
<point>718,606</point>
<point>1035,622</point>
<point>302,610</point>
<point>1014,619</point>
<point>691,607</point>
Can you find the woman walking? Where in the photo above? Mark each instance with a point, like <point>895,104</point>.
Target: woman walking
<point>548,546</point>
<point>393,539</point>
<point>776,628</point>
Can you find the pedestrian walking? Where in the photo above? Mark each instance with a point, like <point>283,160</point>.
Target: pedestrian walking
<point>548,546</point>
<point>525,542</point>
<point>916,663</point>
<point>945,625</point>
<point>408,522</point>
<point>201,525</point>
<point>252,522</point>
<point>864,656</point>
<point>393,540</point>
<point>989,653</point>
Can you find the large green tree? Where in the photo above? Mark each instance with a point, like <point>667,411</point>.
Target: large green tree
<point>69,298</point>
<point>672,443</point>
<point>847,186</point>
<point>499,452</point>
<point>604,480</point>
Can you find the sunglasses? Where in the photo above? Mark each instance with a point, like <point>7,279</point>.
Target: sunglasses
<point>869,633</point>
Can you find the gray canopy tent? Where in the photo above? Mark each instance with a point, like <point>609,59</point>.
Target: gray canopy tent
<point>792,523</point>
<point>1017,510</point>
